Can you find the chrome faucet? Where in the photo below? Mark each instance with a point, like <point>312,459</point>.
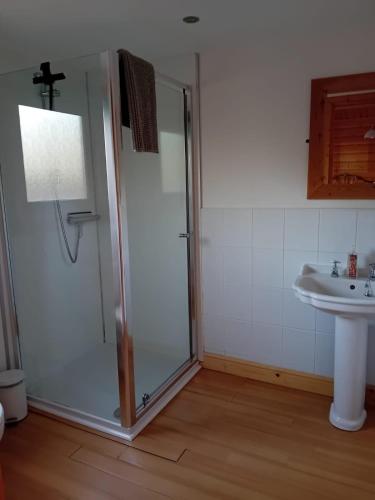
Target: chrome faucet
<point>335,269</point>
<point>368,289</point>
<point>371,272</point>
<point>371,277</point>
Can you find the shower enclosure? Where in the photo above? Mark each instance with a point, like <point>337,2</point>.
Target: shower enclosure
<point>107,339</point>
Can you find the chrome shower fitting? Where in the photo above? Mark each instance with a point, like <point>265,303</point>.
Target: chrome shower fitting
<point>72,256</point>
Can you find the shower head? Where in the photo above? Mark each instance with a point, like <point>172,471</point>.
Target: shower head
<point>47,77</point>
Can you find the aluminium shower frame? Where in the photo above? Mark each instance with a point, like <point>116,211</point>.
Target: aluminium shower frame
<point>132,420</point>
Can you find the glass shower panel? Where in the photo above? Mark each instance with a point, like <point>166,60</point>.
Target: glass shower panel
<point>65,311</point>
<point>155,189</point>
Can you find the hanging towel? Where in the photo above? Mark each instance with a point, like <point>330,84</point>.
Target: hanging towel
<point>138,101</point>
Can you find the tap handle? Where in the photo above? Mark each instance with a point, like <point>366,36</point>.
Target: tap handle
<point>335,269</point>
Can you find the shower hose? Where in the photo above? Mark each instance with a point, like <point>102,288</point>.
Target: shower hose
<point>73,255</point>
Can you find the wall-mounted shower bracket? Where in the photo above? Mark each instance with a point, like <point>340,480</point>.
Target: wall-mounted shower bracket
<point>46,93</point>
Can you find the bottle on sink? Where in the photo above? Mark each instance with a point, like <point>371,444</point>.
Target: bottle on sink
<point>352,269</point>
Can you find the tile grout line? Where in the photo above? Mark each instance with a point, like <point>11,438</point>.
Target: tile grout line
<point>283,295</point>
<point>251,297</point>
<point>316,315</point>
<point>356,231</point>
<point>319,221</point>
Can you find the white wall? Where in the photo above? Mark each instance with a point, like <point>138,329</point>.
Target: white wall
<point>257,226</point>
<point>255,119</point>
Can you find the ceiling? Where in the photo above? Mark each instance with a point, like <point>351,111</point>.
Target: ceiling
<point>31,30</point>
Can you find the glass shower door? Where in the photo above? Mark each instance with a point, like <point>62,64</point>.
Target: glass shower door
<point>155,207</point>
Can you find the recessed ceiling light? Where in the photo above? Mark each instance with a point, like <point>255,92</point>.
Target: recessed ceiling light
<point>191,19</point>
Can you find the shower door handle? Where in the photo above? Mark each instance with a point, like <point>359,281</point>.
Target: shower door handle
<point>184,235</point>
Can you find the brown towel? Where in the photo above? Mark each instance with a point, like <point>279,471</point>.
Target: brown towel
<point>138,101</point>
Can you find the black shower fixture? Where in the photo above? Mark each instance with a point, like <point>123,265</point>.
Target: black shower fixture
<point>191,19</point>
<point>48,79</point>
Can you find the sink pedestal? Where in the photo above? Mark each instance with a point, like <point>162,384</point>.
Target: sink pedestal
<point>347,410</point>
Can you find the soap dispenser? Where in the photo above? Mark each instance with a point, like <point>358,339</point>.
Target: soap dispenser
<point>352,269</point>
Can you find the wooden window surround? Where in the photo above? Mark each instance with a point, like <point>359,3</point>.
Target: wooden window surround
<point>341,160</point>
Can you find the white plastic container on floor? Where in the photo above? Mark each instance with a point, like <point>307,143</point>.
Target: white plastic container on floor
<point>13,395</point>
<point>2,421</point>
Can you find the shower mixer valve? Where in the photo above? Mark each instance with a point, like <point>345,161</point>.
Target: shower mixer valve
<point>81,217</point>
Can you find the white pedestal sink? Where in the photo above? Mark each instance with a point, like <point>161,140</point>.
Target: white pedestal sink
<point>343,297</point>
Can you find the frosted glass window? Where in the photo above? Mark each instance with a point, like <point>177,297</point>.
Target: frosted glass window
<point>53,155</point>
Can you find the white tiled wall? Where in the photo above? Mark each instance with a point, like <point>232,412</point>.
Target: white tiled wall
<point>251,257</point>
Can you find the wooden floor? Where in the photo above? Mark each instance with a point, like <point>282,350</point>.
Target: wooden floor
<point>221,437</point>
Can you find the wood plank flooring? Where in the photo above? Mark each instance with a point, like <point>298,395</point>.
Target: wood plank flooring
<point>222,437</point>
